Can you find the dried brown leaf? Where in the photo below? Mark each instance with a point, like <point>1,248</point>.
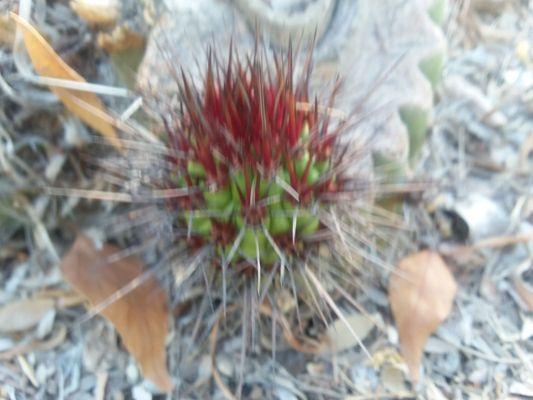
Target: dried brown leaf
<point>421,294</point>
<point>23,314</point>
<point>47,63</point>
<point>140,316</point>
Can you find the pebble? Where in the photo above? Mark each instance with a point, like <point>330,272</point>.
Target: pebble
<point>204,367</point>
<point>46,324</point>
<point>132,373</point>
<point>140,393</point>
<point>225,366</point>
<point>6,344</point>
<point>364,377</point>
<point>43,372</point>
<point>447,364</point>
<point>479,372</point>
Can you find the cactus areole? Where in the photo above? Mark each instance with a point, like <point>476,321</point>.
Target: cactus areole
<point>257,158</point>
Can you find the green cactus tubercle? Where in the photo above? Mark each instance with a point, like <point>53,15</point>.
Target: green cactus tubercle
<point>261,160</point>
<point>280,214</point>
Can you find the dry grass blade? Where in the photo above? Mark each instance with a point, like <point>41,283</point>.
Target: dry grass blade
<point>490,242</point>
<point>140,316</point>
<point>48,64</point>
<point>421,296</point>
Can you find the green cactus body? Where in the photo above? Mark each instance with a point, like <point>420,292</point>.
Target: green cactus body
<point>200,225</point>
<point>229,205</point>
<point>218,200</point>
<point>258,171</point>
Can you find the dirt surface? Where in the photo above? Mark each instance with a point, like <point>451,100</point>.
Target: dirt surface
<point>477,210</point>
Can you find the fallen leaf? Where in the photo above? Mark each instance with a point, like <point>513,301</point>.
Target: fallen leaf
<point>421,294</point>
<point>140,316</point>
<point>340,336</point>
<point>23,314</point>
<point>47,63</point>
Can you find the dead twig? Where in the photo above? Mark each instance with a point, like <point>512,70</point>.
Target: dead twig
<point>491,242</point>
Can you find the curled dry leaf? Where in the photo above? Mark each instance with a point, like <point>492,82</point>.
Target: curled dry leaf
<point>85,105</point>
<point>421,294</point>
<point>340,336</point>
<point>140,316</point>
<point>24,314</point>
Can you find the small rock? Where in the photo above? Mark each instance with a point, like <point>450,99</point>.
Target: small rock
<point>284,394</point>
<point>140,393</point>
<point>256,393</point>
<point>447,364</point>
<point>204,367</point>
<point>479,373</point>
<point>43,372</point>
<point>132,373</point>
<point>46,324</point>
<point>527,328</point>
<point>225,366</point>
<point>6,344</point>
<point>392,335</point>
<point>315,368</point>
<point>117,395</point>
<point>435,345</point>
<point>364,378</point>
<point>521,389</point>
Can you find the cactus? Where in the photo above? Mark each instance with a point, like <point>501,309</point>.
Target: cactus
<point>256,158</point>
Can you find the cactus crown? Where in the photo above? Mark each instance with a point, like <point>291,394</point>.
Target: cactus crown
<point>256,156</point>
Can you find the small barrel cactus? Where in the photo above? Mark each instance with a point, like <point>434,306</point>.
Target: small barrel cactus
<point>258,161</point>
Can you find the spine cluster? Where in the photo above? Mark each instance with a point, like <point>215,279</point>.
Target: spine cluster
<point>257,158</point>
